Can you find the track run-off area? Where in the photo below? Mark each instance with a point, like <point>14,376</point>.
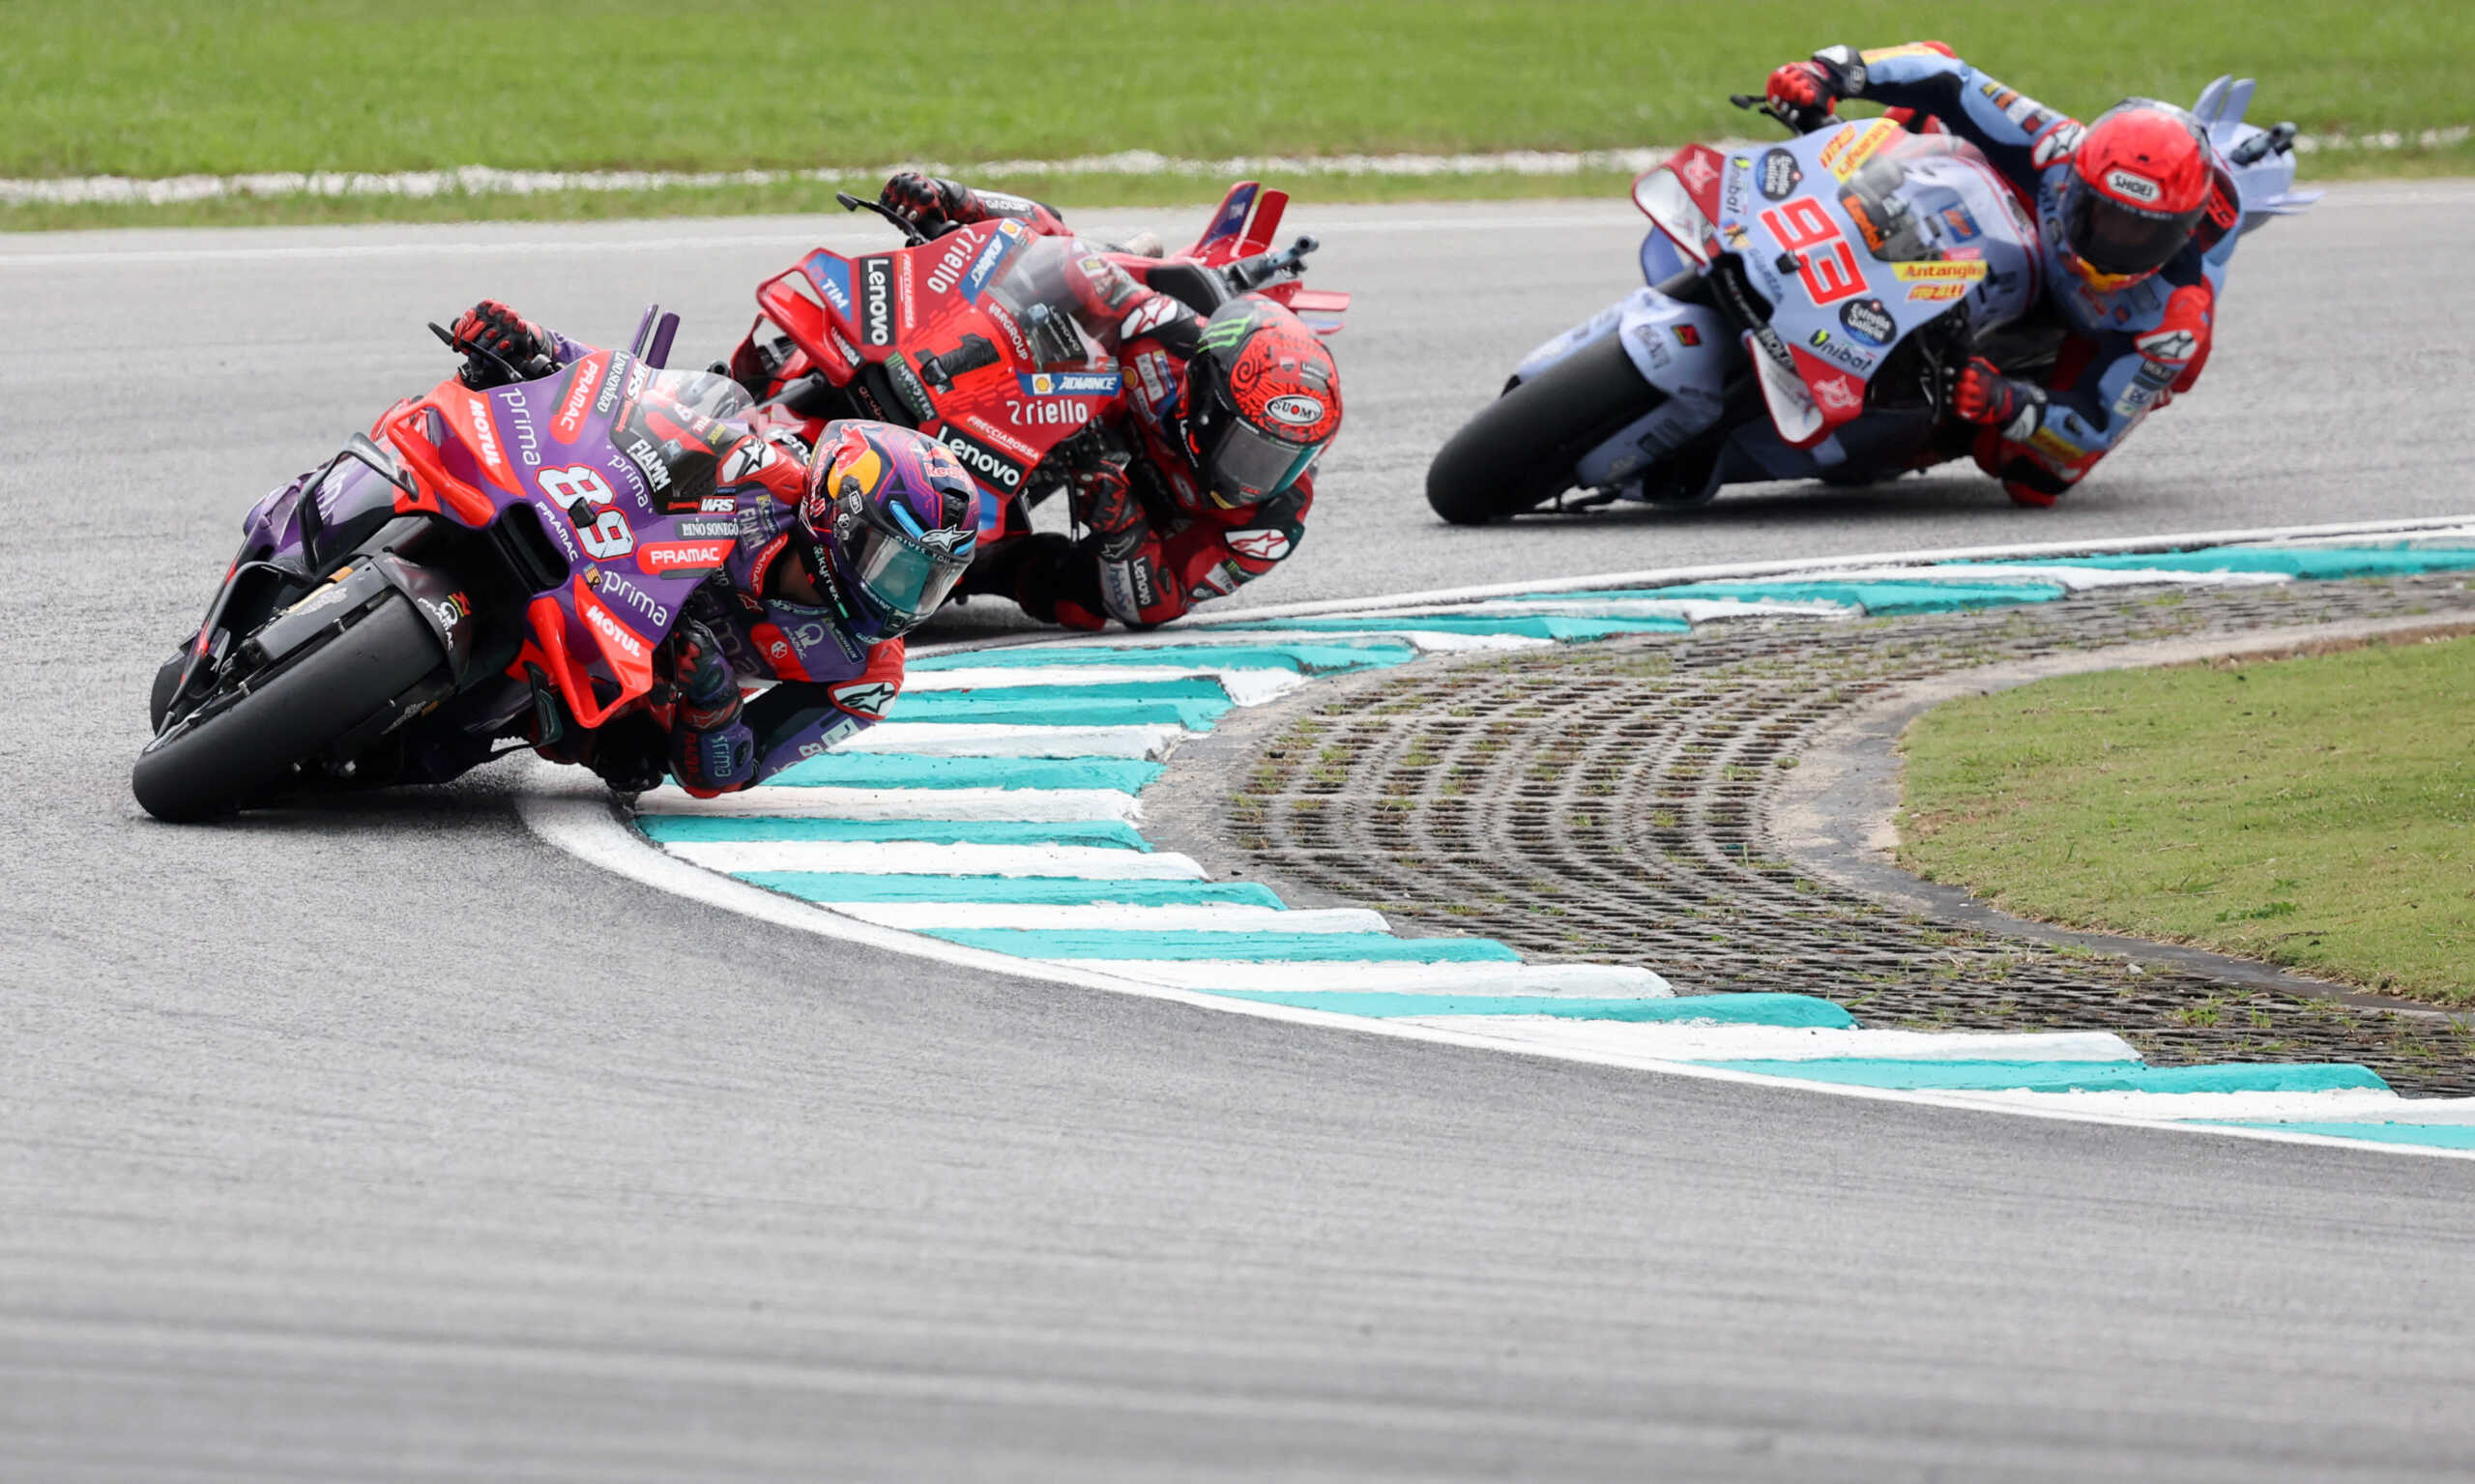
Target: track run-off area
<point>382,1139</point>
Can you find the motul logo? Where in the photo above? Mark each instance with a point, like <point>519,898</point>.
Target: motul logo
<point>629,641</point>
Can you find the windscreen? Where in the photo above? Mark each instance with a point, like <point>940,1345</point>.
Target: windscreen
<point>1064,295</point>
<point>1906,202</point>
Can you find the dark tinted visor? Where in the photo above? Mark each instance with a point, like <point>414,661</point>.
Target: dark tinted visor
<point>904,580</point>
<point>2113,237</point>
<point>1250,465</point>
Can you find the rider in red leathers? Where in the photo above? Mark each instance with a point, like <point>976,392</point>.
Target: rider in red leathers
<point>2137,215</point>
<point>1205,481</point>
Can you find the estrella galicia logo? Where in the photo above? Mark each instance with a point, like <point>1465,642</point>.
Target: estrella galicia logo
<point>1869,321</point>
<point>1068,383</point>
<point>984,267</point>
<point>1780,175</point>
<point>876,299</point>
<point>992,467</point>
<point>832,276</point>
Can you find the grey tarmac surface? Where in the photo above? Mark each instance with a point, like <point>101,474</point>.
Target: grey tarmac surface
<point>380,1140</point>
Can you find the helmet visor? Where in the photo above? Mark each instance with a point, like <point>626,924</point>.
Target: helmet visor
<point>2121,240</point>
<point>903,580</point>
<point>1250,465</point>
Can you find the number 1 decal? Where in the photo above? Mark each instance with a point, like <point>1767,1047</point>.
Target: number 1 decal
<point>1823,259</point>
<point>608,535</point>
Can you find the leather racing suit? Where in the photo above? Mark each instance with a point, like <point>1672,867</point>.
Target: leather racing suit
<point>751,623</point>
<point>2124,353</point>
<point>1162,543</point>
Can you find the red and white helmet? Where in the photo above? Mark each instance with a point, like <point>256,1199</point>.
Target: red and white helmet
<point>2141,177</point>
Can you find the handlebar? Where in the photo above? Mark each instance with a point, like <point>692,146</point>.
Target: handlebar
<point>1797,121</point>
<point>1247,274</point>
<point>912,236</point>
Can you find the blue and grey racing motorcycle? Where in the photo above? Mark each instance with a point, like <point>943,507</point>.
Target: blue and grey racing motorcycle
<point>1807,308</point>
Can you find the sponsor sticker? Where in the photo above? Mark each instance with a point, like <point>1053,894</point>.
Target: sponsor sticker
<point>832,276</point>
<point>1848,149</point>
<point>1868,322</point>
<point>1296,410</point>
<point>582,383</point>
<point>2133,188</point>
<point>698,530</point>
<point>1952,271</point>
<point>1687,336</point>
<point>612,381</point>
<point>864,698</point>
<point>1068,383</point>
<point>1779,175</point>
<point>988,465</point>
<point>665,559</point>
<point>1264,545</point>
<point>876,299</point>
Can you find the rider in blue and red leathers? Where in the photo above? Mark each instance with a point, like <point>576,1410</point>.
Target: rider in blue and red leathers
<point>833,558</point>
<point>2132,210</point>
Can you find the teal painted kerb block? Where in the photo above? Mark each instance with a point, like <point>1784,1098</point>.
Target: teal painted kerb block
<point>1298,658</point>
<point>2310,563</point>
<point>2439,1136</point>
<point>829,886</point>
<point>1207,946</point>
<point>1881,598</point>
<point>717,829</point>
<point>1759,1009</point>
<point>2064,1076</point>
<point>904,769</point>
<point>1562,628</point>
<point>1059,711</point>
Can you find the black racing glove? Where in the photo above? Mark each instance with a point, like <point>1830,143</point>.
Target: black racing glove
<point>500,346</point>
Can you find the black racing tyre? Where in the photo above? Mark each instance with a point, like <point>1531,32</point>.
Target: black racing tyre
<point>1521,448</point>
<point>214,766</point>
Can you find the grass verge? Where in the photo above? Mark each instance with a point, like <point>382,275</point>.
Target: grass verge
<point>2318,813</point>
<point>156,88</point>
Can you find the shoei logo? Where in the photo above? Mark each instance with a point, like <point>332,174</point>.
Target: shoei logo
<point>1296,410</point>
<point>2132,188</point>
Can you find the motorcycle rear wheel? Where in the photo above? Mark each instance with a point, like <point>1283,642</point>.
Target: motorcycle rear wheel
<point>1521,450</point>
<point>218,765</point>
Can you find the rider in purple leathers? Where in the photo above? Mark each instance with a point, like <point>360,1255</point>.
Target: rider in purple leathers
<point>2137,215</point>
<point>834,559</point>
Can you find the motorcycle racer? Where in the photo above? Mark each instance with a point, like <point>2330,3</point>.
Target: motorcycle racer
<point>2136,218</point>
<point>834,558</point>
<point>1201,480</point>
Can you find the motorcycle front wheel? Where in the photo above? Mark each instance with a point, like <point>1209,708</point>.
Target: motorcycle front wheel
<point>214,766</point>
<point>1519,451</point>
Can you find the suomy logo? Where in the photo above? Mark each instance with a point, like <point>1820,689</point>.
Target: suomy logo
<point>1298,411</point>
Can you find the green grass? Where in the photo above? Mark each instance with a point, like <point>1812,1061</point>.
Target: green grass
<point>170,87</point>
<point>2318,813</point>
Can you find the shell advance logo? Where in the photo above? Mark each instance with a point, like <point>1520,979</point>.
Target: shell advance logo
<point>1068,383</point>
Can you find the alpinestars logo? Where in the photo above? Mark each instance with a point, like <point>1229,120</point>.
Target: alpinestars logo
<point>876,300</point>
<point>864,698</point>
<point>2172,346</point>
<point>1262,545</point>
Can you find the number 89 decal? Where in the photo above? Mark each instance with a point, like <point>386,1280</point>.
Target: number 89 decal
<point>1823,259</point>
<point>609,535</point>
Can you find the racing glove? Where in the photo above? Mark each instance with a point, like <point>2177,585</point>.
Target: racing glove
<point>929,202</point>
<point>1105,502</point>
<point>1984,394</point>
<point>712,750</point>
<point>1808,90</point>
<point>496,342</point>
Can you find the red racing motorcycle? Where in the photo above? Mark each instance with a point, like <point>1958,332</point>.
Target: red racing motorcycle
<point>990,338</point>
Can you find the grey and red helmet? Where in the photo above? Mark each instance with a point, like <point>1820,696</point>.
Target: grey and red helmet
<point>1263,402</point>
<point>893,519</point>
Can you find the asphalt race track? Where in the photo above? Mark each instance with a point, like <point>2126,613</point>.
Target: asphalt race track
<point>382,1141</point>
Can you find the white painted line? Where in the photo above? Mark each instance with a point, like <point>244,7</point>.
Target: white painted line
<point>1426,641</point>
<point>572,813</point>
<point>1112,917</point>
<point>1786,1043</point>
<point>1193,630</point>
<point>2336,1105</point>
<point>1695,610</point>
<point>1243,686</point>
<point>912,858</point>
<point>2071,578</point>
<point>987,739</point>
<point>1036,805</point>
<point>1381,976</point>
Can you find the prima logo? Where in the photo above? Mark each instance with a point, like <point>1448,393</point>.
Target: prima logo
<point>527,446</point>
<point>616,589</point>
